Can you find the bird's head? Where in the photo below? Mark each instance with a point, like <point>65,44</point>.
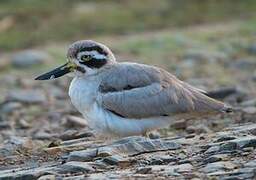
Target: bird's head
<point>84,57</point>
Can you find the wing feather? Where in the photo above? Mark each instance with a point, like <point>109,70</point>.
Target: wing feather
<point>152,92</point>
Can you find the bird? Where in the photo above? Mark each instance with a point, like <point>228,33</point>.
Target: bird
<point>125,98</point>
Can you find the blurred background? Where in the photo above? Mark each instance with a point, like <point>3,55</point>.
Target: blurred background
<point>210,44</point>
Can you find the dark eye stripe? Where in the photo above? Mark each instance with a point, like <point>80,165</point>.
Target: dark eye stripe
<point>94,63</point>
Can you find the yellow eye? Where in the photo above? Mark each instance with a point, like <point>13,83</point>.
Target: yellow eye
<point>85,57</point>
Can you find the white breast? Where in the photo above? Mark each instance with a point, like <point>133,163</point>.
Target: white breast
<point>83,93</point>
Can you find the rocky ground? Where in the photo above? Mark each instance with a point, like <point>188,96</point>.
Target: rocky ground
<point>43,136</point>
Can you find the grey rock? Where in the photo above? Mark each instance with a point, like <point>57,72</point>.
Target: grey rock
<point>84,155</point>
<point>9,107</point>
<point>105,151</point>
<point>15,143</point>
<point>116,160</point>
<point>239,143</point>
<point>27,96</point>
<point>74,167</point>
<point>164,159</point>
<point>249,128</point>
<point>136,145</point>
<point>29,58</point>
<point>225,138</point>
<point>4,126</point>
<point>218,166</point>
<point>143,170</point>
<point>215,158</point>
<point>173,170</point>
<point>212,150</point>
<point>250,164</point>
<point>249,103</point>
<point>74,134</point>
<point>42,135</point>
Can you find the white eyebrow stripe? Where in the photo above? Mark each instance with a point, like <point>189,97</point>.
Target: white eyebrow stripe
<point>94,54</point>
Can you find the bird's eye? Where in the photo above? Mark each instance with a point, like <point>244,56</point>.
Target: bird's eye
<point>85,57</point>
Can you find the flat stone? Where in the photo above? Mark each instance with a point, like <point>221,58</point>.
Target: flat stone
<point>117,160</point>
<point>29,58</point>
<point>143,170</point>
<point>181,168</point>
<point>225,138</point>
<point>74,167</point>
<point>9,107</point>
<point>240,143</point>
<point>84,155</point>
<point>212,150</point>
<point>163,159</point>
<point>218,166</point>
<point>136,145</point>
<point>250,164</point>
<point>27,96</point>
<point>249,103</point>
<point>215,158</point>
<point>22,142</point>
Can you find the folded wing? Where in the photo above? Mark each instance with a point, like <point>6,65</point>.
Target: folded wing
<point>141,91</point>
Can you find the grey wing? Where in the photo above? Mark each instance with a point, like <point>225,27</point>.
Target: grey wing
<point>141,91</point>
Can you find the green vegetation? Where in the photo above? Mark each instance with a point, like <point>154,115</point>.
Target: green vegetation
<point>26,23</point>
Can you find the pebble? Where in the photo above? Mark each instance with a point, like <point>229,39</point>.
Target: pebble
<point>25,59</point>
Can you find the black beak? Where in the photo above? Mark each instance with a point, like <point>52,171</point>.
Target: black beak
<point>57,72</point>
